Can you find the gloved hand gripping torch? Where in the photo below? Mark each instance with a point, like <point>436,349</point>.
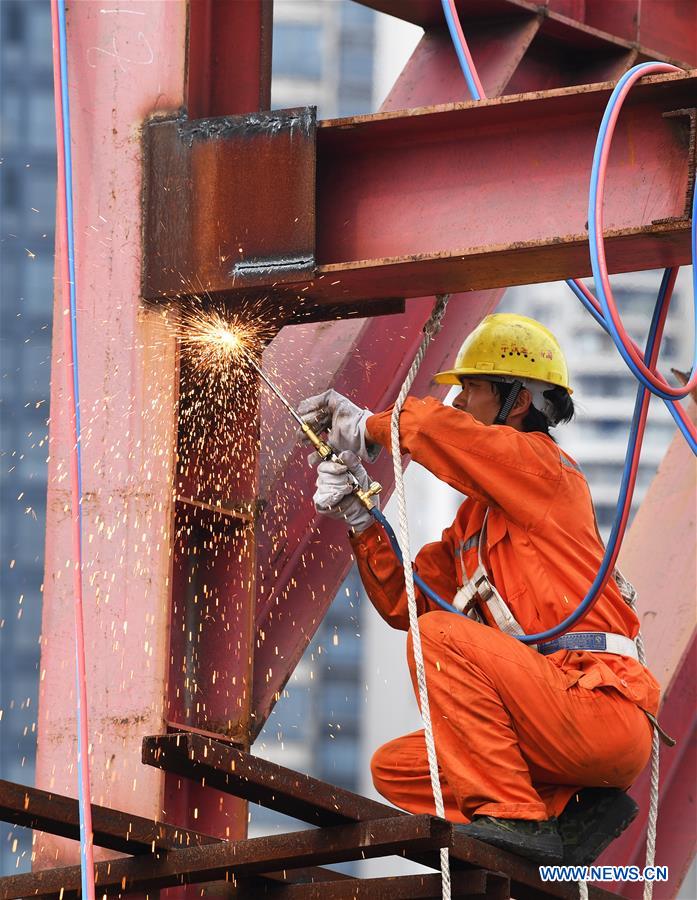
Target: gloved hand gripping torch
<point>325,450</point>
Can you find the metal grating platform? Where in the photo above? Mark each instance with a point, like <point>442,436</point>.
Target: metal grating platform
<point>287,866</point>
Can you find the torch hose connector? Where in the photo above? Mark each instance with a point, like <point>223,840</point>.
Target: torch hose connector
<point>326,451</point>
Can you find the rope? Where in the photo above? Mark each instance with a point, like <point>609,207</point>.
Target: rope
<point>431,328</point>
<point>652,824</point>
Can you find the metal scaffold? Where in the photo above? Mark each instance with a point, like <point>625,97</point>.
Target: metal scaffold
<point>199,564</point>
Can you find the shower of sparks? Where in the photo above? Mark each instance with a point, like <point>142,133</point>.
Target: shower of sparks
<point>216,344</point>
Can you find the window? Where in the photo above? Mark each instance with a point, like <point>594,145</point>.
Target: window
<point>339,704</point>
<point>38,39</point>
<point>13,22</point>
<point>12,119</point>
<point>637,299</point>
<point>37,286</point>
<point>297,50</point>
<point>356,65</point>
<point>40,200</point>
<point>620,385</point>
<point>357,17</point>
<point>41,134</point>
<point>338,762</point>
<point>611,427</point>
<point>592,341</point>
<point>293,711</point>
<point>10,190</point>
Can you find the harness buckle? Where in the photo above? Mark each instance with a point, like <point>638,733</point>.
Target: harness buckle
<point>482,589</point>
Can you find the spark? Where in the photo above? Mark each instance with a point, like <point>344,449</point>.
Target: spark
<point>214,341</point>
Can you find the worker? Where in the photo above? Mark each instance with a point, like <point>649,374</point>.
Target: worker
<point>536,745</point>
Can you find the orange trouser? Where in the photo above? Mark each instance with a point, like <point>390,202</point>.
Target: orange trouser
<point>513,739</point>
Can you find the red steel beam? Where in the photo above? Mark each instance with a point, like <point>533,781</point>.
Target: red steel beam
<point>473,196</point>
<point>662,28</point>
<point>214,548</point>
<point>461,197</point>
<point>229,59</point>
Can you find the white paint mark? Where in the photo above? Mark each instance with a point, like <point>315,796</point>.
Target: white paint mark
<point>120,57</point>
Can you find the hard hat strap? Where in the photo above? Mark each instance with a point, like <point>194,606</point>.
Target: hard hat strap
<point>507,405</point>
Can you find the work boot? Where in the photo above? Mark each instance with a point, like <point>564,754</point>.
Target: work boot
<point>591,820</point>
<point>539,841</point>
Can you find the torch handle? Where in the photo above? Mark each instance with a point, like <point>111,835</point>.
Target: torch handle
<point>326,451</point>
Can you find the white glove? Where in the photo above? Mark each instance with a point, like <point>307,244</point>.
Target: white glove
<point>335,495</point>
<point>344,422</point>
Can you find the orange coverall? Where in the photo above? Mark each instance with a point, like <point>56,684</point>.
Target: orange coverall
<point>517,733</point>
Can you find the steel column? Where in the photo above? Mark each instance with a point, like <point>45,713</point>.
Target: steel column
<point>121,67</point>
<point>229,69</point>
<point>659,557</point>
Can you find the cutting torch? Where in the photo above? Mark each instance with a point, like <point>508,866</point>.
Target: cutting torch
<point>325,450</point>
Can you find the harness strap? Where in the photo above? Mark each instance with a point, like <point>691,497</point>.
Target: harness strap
<point>479,590</point>
<point>594,641</point>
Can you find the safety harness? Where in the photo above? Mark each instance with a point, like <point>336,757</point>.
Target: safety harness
<point>479,592</point>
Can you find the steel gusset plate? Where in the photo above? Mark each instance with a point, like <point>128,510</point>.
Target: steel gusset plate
<point>229,203</point>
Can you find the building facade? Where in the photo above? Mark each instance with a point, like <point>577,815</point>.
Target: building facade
<point>27,212</point>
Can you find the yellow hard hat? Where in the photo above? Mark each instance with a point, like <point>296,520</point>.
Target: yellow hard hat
<point>510,346</point>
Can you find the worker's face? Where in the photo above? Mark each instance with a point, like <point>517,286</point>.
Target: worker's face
<point>479,398</point>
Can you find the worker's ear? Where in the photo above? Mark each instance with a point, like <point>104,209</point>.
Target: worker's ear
<point>523,402</point>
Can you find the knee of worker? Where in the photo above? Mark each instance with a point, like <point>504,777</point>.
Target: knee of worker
<point>384,767</point>
<point>436,626</point>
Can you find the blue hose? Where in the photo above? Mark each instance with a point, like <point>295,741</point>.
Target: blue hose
<point>83,800</point>
<point>461,55</point>
<point>671,405</point>
<point>593,239</point>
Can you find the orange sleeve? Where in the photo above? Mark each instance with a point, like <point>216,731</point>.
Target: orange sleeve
<point>383,575</point>
<point>515,471</point>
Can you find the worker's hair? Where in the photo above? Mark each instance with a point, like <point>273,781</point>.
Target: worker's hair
<point>535,420</point>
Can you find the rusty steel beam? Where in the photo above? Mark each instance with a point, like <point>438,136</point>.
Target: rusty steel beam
<point>661,28</point>
<point>229,202</point>
<point>214,862</point>
<point>221,82</point>
<point>225,768</point>
<point>229,769</point>
<point>402,210</point>
<point>55,814</point>
<point>489,194</point>
<point>471,884</point>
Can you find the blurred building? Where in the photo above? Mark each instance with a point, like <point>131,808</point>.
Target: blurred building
<point>27,211</point>
<point>323,56</point>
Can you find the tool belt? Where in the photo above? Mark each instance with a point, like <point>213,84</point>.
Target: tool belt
<point>594,641</point>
